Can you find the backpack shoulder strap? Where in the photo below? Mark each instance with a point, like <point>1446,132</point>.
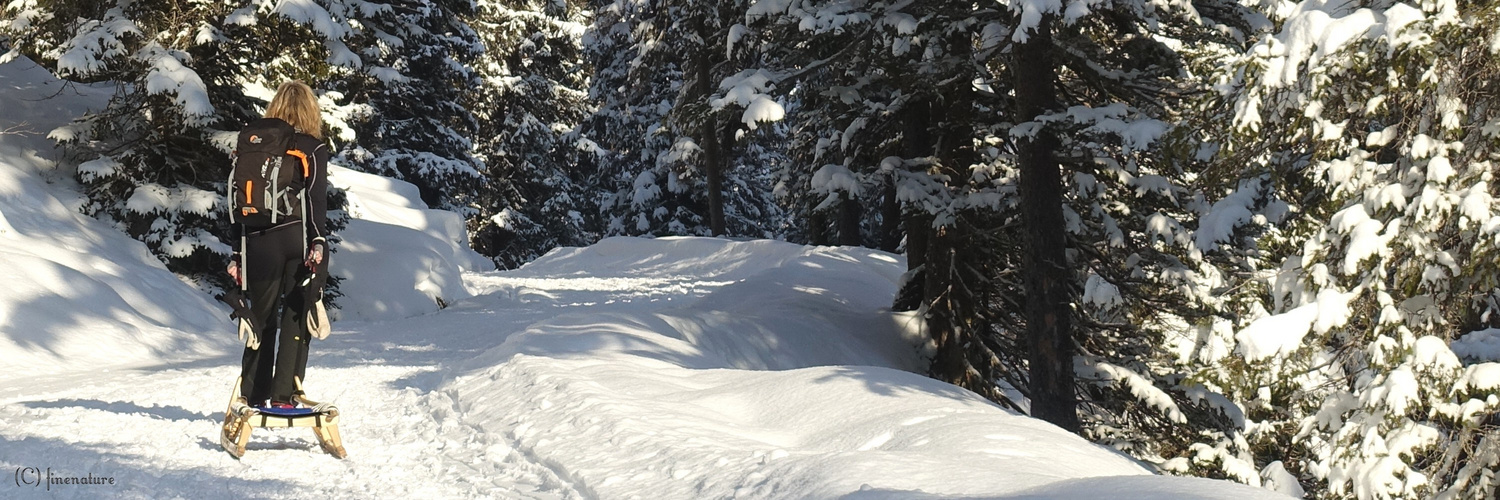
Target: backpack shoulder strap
<point>305,156</point>
<point>306,167</point>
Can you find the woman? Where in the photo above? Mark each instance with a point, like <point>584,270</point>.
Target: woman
<point>282,260</point>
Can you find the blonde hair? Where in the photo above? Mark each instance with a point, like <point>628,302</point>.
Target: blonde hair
<point>296,104</point>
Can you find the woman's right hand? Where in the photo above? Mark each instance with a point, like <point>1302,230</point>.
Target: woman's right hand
<point>234,269</point>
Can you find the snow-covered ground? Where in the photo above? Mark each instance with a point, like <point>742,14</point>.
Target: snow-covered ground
<point>671,368</point>
<point>677,368</point>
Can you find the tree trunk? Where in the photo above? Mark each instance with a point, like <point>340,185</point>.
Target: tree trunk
<point>916,141</point>
<point>817,233</point>
<point>918,233</point>
<point>849,219</point>
<point>946,121</point>
<point>714,170</point>
<point>948,363</point>
<point>1048,313</point>
<point>713,161</point>
<point>927,246</point>
<point>890,216</point>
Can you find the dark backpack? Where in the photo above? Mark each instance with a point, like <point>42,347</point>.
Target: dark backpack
<point>269,176</point>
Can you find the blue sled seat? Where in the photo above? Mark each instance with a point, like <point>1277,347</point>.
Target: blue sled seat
<point>290,417</point>
<point>286,412</point>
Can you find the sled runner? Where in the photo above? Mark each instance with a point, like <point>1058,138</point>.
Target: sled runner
<point>240,418</point>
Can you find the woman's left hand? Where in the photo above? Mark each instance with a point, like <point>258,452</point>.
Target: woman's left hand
<point>314,255</point>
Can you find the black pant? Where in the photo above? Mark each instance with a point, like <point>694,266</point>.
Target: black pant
<point>274,272</point>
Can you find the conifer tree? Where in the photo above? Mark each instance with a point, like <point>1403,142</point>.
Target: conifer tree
<point>154,160</point>
<point>959,156</point>
<point>530,105</point>
<point>1131,276</point>
<point>671,121</point>
<point>1368,254</point>
<point>414,57</point>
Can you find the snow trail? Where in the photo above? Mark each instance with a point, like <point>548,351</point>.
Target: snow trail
<point>155,430</point>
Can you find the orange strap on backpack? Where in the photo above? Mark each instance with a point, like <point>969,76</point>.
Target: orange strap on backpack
<point>306,170</point>
<point>249,192</point>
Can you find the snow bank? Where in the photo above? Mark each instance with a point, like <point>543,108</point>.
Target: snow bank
<point>397,257</point>
<point>664,257</point>
<point>788,378</point>
<point>32,104</point>
<point>78,294</point>
<point>766,311</point>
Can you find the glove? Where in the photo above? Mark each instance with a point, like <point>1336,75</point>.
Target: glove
<point>246,323</point>
<point>317,321</point>
<point>315,315</point>
<point>247,334</point>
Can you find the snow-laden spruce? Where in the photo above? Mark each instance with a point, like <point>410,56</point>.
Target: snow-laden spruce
<point>909,107</point>
<point>676,155</point>
<point>530,106</point>
<point>78,293</point>
<point>1369,205</point>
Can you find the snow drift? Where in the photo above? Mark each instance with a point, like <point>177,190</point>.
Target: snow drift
<point>397,257</point>
<point>786,377</point>
<point>78,293</point>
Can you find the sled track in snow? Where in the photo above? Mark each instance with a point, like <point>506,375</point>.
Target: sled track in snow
<point>499,457</point>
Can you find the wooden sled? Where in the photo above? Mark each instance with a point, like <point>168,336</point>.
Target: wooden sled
<point>240,418</point>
